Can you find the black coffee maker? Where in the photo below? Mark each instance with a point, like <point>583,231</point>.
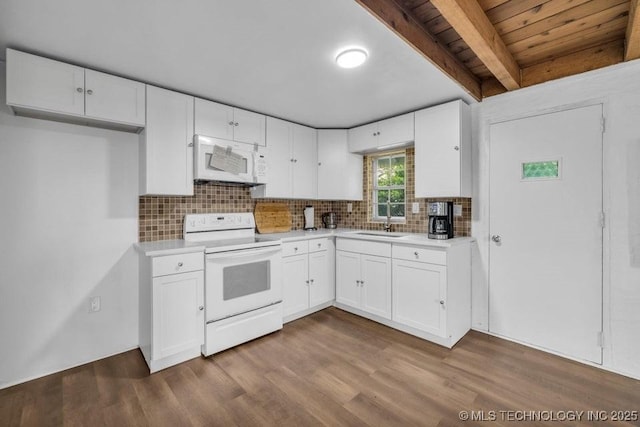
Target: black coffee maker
<point>440,220</point>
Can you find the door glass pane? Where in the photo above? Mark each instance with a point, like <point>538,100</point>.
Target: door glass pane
<point>541,170</point>
<point>246,279</point>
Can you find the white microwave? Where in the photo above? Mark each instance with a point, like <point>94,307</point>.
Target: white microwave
<point>222,160</point>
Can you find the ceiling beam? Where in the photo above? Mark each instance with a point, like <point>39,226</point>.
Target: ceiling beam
<point>469,20</point>
<point>412,31</point>
<point>632,40</point>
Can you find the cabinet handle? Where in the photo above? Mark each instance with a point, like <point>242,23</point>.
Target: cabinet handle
<point>190,144</point>
<point>79,90</point>
<point>295,249</point>
<point>295,160</point>
<point>307,282</point>
<point>361,282</point>
<point>89,92</point>
<point>312,281</point>
<point>456,148</point>
<point>235,124</point>
<point>291,160</point>
<point>441,302</point>
<point>231,123</point>
<point>319,163</point>
<point>201,308</point>
<point>180,264</point>
<point>416,254</point>
<point>358,282</point>
<point>319,244</point>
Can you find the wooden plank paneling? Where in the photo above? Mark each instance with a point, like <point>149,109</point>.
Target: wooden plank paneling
<point>541,12</point>
<point>411,31</point>
<point>578,62</point>
<point>470,21</point>
<point>512,8</point>
<point>491,87</point>
<point>632,35</point>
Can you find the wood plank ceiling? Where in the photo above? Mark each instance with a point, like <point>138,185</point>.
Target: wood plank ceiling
<point>491,46</point>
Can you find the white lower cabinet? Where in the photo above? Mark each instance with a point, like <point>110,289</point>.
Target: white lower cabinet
<point>171,308</point>
<point>363,276</point>
<point>308,271</point>
<point>432,291</point>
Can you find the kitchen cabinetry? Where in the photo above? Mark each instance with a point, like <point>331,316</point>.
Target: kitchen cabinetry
<point>166,144</point>
<point>432,291</point>
<point>363,277</point>
<point>226,122</point>
<point>308,266</point>
<point>171,308</point>
<point>443,151</point>
<point>388,133</point>
<point>293,164</point>
<point>333,156</point>
<point>43,88</point>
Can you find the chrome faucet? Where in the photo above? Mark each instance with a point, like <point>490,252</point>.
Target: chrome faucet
<point>387,224</point>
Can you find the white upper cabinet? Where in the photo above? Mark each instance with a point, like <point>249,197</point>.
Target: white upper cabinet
<point>443,151</point>
<point>226,122</point>
<point>44,88</point>
<point>293,163</point>
<point>339,171</point>
<point>166,144</point>
<point>388,133</point>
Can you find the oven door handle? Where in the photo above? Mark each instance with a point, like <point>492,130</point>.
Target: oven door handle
<point>244,253</point>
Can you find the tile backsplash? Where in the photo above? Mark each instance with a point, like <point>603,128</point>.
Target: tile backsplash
<point>162,217</point>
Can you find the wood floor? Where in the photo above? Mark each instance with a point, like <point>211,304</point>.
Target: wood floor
<point>331,368</point>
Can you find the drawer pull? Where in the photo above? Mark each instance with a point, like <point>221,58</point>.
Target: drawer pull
<point>319,244</point>
<point>441,302</point>
<point>180,264</point>
<point>201,308</point>
<point>416,254</point>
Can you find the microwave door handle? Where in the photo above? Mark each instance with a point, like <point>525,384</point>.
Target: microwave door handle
<point>244,253</point>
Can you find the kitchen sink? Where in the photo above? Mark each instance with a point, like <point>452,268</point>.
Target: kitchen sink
<point>382,234</point>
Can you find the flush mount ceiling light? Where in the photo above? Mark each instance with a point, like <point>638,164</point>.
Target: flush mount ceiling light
<point>351,58</point>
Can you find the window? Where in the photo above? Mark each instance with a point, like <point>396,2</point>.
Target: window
<point>536,171</point>
<point>389,187</point>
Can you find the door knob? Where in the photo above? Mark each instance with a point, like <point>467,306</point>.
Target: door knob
<point>496,238</point>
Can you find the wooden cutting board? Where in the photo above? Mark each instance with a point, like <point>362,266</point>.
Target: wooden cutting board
<point>272,218</point>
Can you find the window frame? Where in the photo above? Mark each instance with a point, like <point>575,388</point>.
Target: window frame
<point>375,188</point>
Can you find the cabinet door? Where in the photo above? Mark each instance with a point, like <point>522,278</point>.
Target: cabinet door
<point>249,127</point>
<point>334,155</point>
<point>419,296</point>
<point>213,119</point>
<point>363,138</point>
<point>44,84</point>
<point>322,287</point>
<point>295,286</point>
<point>279,160</point>
<point>347,278</point>
<point>376,285</point>
<point>305,162</point>
<point>442,151</point>
<point>395,130</point>
<point>166,144</point>
<point>178,313</point>
<point>114,99</point>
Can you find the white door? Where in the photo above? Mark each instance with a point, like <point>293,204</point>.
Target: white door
<point>376,285</point>
<point>33,81</point>
<point>419,295</point>
<point>213,119</point>
<point>305,162</point>
<point>249,127</point>
<point>114,98</point>
<point>178,313</point>
<point>321,288</point>
<point>295,284</point>
<point>348,278</point>
<point>545,219</point>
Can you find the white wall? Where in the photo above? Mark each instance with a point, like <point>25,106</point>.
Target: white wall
<point>618,88</point>
<point>68,219</point>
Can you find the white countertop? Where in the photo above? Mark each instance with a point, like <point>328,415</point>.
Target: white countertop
<point>168,247</point>
<point>418,239</point>
<point>293,236</point>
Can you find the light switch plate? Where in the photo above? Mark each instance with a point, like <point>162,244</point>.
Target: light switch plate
<point>415,207</point>
<point>457,210</point>
<point>349,207</point>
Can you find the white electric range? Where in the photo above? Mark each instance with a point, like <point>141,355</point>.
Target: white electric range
<point>243,279</point>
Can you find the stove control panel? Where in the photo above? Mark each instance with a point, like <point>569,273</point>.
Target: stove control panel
<point>196,223</point>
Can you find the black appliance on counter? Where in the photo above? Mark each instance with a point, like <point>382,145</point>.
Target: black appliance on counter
<point>440,220</point>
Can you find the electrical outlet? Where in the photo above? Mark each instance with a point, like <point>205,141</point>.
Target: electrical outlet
<point>415,207</point>
<point>349,207</point>
<point>94,304</point>
<point>457,210</point>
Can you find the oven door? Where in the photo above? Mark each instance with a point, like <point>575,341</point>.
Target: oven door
<point>241,281</point>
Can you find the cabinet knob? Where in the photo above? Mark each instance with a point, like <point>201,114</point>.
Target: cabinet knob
<point>312,281</point>
<point>180,264</point>
<point>291,160</point>
<point>319,163</point>
<point>231,123</point>
<point>306,281</point>
<point>295,160</point>
<point>496,238</point>
<point>441,302</point>
<point>319,244</point>
<point>358,282</point>
<point>295,249</point>
<point>79,90</point>
<point>416,254</point>
<point>456,148</point>
<point>235,124</point>
<point>89,92</point>
<point>361,282</point>
<point>201,308</point>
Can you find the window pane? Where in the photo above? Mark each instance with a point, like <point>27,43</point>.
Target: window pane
<point>397,196</point>
<point>397,171</point>
<point>383,196</point>
<point>397,209</point>
<point>536,170</point>
<point>382,210</point>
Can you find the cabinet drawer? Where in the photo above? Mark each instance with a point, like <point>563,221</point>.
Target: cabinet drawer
<point>172,264</point>
<point>295,248</point>
<point>317,245</point>
<point>364,247</point>
<point>420,254</point>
